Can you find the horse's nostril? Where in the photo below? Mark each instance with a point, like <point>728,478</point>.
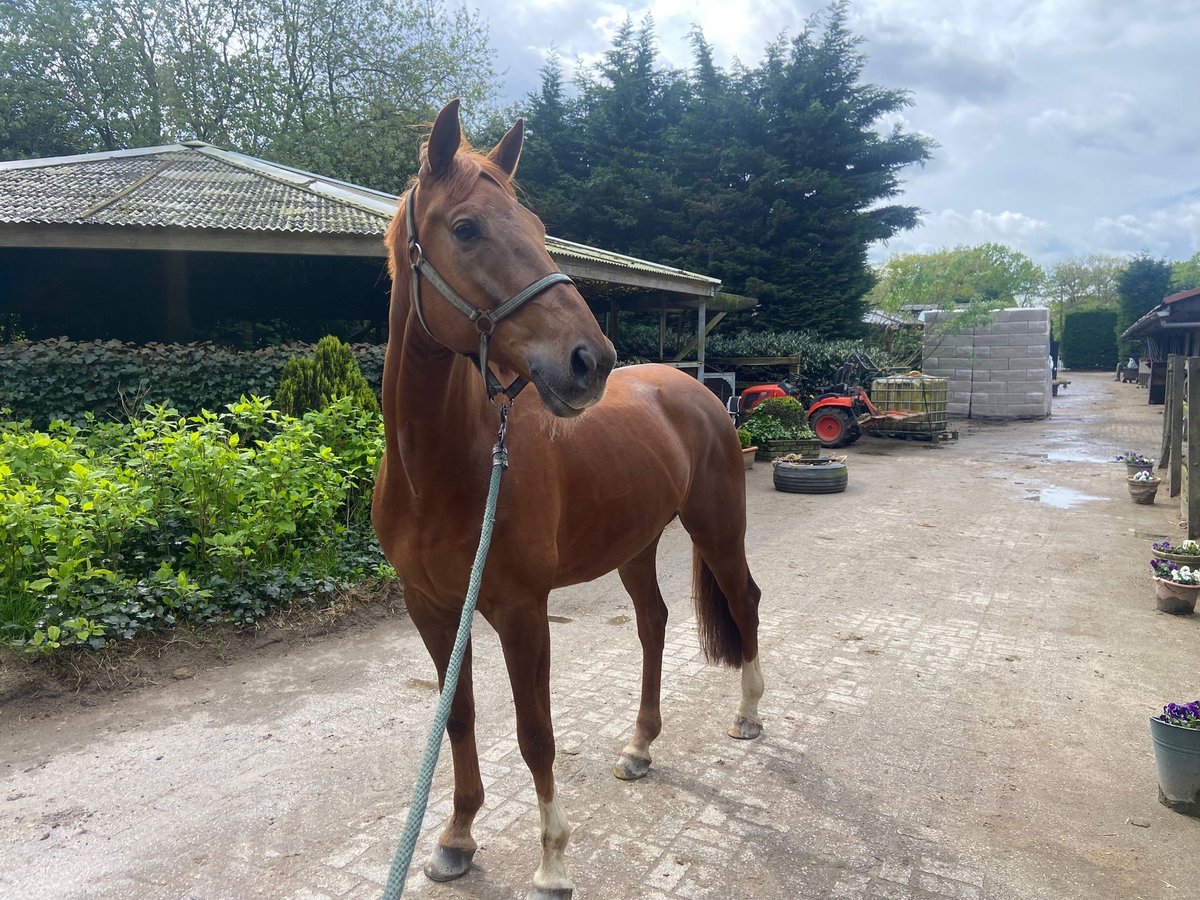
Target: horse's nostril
<point>583,364</point>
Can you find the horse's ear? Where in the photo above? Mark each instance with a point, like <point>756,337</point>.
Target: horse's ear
<point>506,153</point>
<point>444,140</point>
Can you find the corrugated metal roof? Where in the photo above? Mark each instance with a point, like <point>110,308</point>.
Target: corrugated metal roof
<point>179,186</point>
<point>197,186</point>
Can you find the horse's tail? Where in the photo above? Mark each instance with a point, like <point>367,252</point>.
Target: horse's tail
<point>720,636</point>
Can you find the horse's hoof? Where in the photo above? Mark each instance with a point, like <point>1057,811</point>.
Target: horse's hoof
<point>551,894</point>
<point>744,730</point>
<point>630,767</point>
<point>448,863</point>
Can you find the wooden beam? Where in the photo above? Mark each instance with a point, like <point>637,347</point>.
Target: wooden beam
<point>198,240</point>
<point>702,330</point>
<point>601,271</point>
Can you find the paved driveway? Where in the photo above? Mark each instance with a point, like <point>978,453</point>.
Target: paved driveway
<point>961,654</point>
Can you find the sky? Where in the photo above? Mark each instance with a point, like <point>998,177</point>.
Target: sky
<point>1065,128</point>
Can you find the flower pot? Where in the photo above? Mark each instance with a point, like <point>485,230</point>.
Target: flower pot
<point>810,476</point>
<point>748,456</point>
<point>1143,491</point>
<point>1132,468</point>
<point>1177,758</point>
<point>1183,559</point>
<point>1174,598</point>
<point>773,449</point>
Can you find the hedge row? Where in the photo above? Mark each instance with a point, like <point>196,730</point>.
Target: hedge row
<point>62,379</point>
<point>1089,339</point>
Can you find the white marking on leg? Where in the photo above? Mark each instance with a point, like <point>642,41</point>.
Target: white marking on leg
<point>552,875</point>
<point>752,690</point>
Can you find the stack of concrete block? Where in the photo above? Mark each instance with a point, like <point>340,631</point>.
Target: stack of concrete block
<point>998,371</point>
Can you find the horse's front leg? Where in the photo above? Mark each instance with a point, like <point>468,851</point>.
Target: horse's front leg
<point>451,857</point>
<point>525,638</point>
<point>640,577</point>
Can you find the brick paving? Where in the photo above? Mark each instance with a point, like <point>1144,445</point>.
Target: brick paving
<point>960,651</point>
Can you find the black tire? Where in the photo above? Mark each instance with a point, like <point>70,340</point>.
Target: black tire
<point>825,477</point>
<point>831,426</point>
<point>855,433</point>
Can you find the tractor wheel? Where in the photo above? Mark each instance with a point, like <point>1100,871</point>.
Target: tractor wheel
<point>831,426</point>
<point>825,476</point>
<point>855,433</point>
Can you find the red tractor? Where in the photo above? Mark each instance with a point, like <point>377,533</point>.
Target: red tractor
<point>837,413</point>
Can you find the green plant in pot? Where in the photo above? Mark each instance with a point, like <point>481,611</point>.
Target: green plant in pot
<point>1176,587</point>
<point>779,426</point>
<point>748,448</point>
<point>1175,734</point>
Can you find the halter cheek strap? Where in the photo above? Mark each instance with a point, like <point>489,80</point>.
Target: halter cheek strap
<point>485,319</point>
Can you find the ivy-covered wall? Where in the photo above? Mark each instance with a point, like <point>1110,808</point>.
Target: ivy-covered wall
<point>44,380</point>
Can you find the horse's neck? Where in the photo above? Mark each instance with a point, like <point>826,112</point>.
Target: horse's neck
<point>438,405</point>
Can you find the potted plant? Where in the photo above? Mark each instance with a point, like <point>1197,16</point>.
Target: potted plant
<point>748,448</point>
<point>1175,734</point>
<point>1143,486</point>
<point>1175,587</point>
<point>1186,554</point>
<point>778,426</point>
<point>1135,462</point>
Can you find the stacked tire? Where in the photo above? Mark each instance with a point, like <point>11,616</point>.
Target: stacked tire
<point>821,476</point>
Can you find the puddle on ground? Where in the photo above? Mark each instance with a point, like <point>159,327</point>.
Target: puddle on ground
<point>1077,454</point>
<point>1060,497</point>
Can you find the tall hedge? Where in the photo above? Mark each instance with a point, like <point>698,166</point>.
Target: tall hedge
<point>62,379</point>
<point>1089,339</point>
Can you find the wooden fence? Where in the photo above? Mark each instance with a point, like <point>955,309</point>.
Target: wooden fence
<point>1180,453</point>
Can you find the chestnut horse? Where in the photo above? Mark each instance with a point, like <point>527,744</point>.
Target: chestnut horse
<point>596,474</point>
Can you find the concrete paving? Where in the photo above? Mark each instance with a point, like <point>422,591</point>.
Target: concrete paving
<point>961,654</point>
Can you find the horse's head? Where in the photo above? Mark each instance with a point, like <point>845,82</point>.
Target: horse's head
<point>488,249</point>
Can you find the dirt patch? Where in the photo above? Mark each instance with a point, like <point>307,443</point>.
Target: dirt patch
<point>77,676</point>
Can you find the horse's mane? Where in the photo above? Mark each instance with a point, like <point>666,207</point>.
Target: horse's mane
<point>467,166</point>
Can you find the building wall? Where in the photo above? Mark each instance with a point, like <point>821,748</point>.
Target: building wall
<point>999,371</point>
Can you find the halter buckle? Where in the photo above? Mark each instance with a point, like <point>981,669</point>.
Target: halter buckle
<point>415,254</point>
<point>485,324</point>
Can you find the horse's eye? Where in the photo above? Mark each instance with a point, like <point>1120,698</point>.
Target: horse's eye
<point>466,231</point>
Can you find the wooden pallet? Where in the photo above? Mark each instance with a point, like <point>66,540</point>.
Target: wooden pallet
<point>926,436</point>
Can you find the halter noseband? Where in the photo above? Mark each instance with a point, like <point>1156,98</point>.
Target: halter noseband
<point>485,319</point>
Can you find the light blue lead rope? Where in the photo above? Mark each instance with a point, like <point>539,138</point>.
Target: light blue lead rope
<point>433,745</point>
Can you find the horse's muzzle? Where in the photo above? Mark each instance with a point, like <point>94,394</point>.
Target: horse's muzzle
<point>570,386</point>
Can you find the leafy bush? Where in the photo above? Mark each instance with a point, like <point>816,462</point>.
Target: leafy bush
<point>745,438</point>
<point>312,382</point>
<point>1089,339</point>
<point>112,529</point>
<point>778,419</point>
<point>60,379</point>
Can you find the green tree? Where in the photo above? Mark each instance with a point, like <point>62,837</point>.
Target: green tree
<point>1185,274</point>
<point>975,279</point>
<point>1141,286</point>
<point>330,85</point>
<point>1082,283</point>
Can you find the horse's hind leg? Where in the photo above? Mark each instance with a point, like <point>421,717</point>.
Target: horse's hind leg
<point>451,857</point>
<point>525,638</point>
<point>726,598</point>
<point>640,577</point>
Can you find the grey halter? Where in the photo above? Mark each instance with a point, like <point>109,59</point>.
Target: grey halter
<point>485,319</point>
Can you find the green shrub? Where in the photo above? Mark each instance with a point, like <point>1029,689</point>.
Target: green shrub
<point>313,382</point>
<point>60,379</point>
<point>745,438</point>
<point>778,418</point>
<point>1089,339</point>
<point>112,529</point>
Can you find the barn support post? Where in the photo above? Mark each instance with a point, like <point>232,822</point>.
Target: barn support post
<point>1173,424</point>
<point>1191,477</point>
